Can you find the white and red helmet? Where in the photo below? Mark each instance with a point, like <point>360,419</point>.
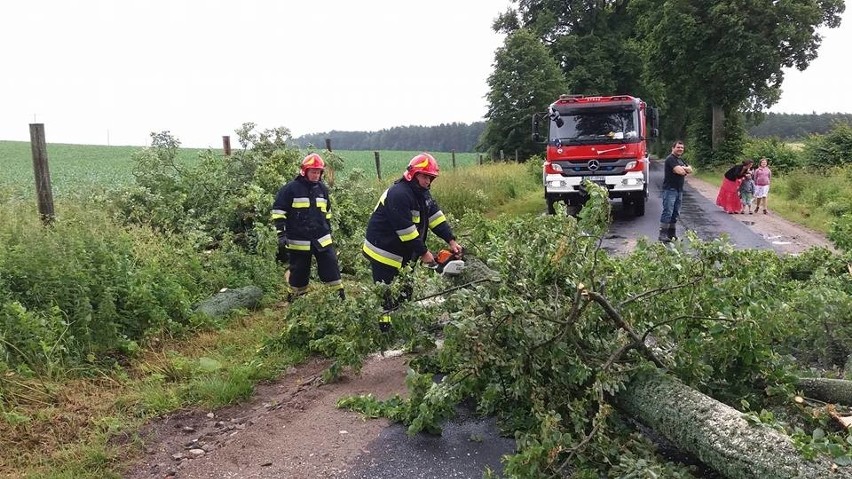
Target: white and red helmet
<point>311,161</point>
<point>422,163</point>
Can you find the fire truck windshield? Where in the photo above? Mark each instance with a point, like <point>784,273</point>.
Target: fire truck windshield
<point>596,125</point>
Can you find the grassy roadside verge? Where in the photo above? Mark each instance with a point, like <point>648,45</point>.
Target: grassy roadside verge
<point>87,427</point>
<point>807,199</point>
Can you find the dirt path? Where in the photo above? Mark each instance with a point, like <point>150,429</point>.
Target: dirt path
<point>784,236</point>
<point>291,428</point>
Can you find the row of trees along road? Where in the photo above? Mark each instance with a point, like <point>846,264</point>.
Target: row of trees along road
<point>703,62</point>
<point>443,137</point>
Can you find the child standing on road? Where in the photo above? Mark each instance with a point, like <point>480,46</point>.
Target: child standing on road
<point>746,191</point>
<point>762,177</point>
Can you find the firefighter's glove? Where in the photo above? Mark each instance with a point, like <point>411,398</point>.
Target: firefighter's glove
<point>282,256</point>
<point>428,258</point>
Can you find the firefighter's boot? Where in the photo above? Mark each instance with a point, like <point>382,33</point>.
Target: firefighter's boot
<point>664,232</point>
<point>672,232</point>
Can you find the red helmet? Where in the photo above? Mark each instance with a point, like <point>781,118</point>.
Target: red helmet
<point>422,163</point>
<point>311,161</point>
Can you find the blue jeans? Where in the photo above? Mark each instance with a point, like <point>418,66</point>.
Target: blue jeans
<point>671,205</point>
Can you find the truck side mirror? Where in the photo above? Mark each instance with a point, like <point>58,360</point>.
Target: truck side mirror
<point>655,122</point>
<point>536,127</point>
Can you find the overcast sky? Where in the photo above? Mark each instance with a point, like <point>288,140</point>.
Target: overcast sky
<point>98,72</point>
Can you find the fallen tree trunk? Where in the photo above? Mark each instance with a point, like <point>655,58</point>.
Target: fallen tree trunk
<point>222,303</point>
<point>717,434</point>
<point>835,391</point>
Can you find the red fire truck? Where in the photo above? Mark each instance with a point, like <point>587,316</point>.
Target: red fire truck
<point>602,139</point>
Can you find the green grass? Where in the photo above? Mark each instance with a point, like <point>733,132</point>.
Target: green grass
<point>393,163</point>
<point>489,188</point>
<point>89,429</point>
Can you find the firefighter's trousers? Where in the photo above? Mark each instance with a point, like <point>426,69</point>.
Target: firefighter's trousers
<point>383,273</point>
<point>300,269</point>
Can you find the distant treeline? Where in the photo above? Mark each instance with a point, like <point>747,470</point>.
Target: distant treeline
<point>463,137</point>
<point>793,126</point>
<point>444,137</point>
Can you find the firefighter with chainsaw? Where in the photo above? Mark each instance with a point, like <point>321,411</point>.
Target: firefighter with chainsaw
<point>396,232</point>
<point>301,213</point>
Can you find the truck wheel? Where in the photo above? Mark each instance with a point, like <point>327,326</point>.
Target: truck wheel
<point>573,210</point>
<point>638,203</point>
<point>550,209</point>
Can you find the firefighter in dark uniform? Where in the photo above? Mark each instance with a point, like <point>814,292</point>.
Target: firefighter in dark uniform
<point>301,213</point>
<point>396,232</point>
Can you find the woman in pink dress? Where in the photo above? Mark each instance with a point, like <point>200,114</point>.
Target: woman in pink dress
<point>728,197</point>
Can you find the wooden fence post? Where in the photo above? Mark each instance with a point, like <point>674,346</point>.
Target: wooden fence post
<point>480,159</point>
<point>454,158</point>
<point>226,145</point>
<point>42,173</point>
<point>516,156</point>
<point>328,144</point>
<point>502,156</point>
<point>378,165</point>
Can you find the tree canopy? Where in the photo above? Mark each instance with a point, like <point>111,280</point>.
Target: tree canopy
<point>701,61</point>
<point>525,80</point>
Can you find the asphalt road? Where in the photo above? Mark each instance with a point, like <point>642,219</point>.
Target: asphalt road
<point>696,214</point>
<point>467,446</point>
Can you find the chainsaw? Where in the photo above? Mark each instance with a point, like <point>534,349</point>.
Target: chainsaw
<point>448,263</point>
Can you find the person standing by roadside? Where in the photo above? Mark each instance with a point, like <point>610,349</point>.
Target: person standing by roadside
<point>301,213</point>
<point>762,178</point>
<point>396,232</point>
<point>675,171</point>
<point>729,196</point>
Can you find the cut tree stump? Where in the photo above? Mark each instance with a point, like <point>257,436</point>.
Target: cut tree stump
<point>717,434</point>
<point>835,391</point>
<point>222,303</point>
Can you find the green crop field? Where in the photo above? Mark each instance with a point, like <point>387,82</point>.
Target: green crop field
<point>73,168</point>
<point>393,163</point>
<point>91,168</point>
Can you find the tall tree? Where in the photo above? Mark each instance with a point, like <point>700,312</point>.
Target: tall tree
<point>591,40</point>
<point>525,80</point>
<point>723,56</point>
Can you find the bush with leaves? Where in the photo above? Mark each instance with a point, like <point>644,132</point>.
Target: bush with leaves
<point>817,308</point>
<point>841,232</point>
<point>831,149</point>
<point>781,157</point>
<point>216,195</point>
<point>87,289</point>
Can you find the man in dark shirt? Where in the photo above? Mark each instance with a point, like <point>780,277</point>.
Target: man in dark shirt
<point>675,173</point>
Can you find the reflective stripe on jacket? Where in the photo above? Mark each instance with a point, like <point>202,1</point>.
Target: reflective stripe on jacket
<point>302,211</point>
